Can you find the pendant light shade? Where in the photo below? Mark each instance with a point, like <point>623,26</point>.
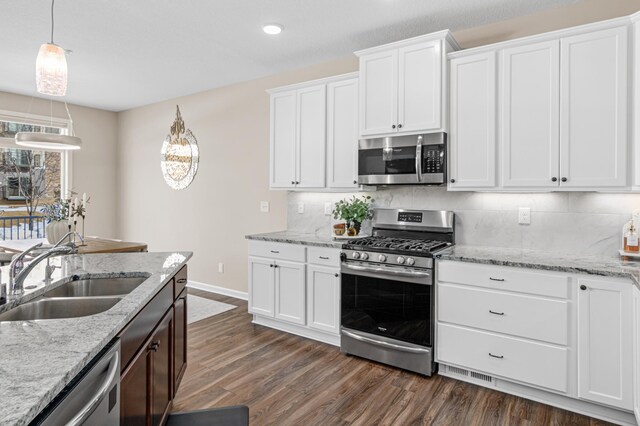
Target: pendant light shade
<point>48,141</point>
<point>51,70</point>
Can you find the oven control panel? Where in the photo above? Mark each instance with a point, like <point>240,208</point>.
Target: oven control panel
<point>413,217</point>
<point>386,259</point>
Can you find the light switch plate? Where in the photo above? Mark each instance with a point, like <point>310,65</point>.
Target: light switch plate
<point>328,208</point>
<point>300,207</point>
<point>221,268</point>
<point>264,206</point>
<point>524,216</point>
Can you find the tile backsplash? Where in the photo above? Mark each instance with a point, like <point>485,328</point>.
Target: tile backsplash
<point>586,223</point>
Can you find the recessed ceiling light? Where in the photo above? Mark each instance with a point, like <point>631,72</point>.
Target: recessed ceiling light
<point>272,29</point>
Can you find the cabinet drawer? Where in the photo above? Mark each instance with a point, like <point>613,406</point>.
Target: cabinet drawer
<point>273,250</point>
<point>516,359</point>
<point>180,282</point>
<point>324,256</point>
<point>519,315</point>
<point>504,278</point>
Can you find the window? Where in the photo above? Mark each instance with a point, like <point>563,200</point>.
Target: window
<point>29,178</point>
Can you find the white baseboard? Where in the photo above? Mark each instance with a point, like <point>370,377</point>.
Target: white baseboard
<point>299,330</point>
<point>218,290</point>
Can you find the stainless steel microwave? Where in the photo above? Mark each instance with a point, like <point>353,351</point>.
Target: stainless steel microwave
<point>403,160</point>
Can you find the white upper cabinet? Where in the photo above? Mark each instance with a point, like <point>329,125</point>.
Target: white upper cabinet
<point>401,86</point>
<point>473,122</point>
<point>593,109</point>
<point>314,136</point>
<point>342,134</point>
<point>283,140</point>
<point>311,120</point>
<point>529,117</point>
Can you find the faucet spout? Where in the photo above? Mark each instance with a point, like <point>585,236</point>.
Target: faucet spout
<point>18,274</point>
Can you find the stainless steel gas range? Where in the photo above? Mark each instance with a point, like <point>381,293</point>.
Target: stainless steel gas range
<point>387,292</point>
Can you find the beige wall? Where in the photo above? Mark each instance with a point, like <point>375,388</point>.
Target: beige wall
<point>211,216</point>
<point>94,166</point>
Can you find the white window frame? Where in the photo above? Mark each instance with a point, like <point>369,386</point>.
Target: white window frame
<point>66,159</point>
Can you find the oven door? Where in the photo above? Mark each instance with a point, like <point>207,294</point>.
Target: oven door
<point>391,302</point>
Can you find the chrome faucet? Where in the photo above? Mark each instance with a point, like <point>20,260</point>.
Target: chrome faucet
<point>18,272</point>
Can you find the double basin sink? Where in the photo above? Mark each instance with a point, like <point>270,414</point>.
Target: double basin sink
<point>78,298</point>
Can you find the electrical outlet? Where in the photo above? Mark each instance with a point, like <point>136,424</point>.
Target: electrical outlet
<point>300,207</point>
<point>264,206</point>
<point>221,268</point>
<point>524,216</point>
<point>328,209</point>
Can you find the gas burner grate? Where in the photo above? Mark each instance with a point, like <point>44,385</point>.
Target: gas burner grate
<point>399,244</point>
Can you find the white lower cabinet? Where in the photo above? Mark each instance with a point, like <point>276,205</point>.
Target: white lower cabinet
<point>605,342</point>
<point>323,298</point>
<point>289,285</point>
<point>572,341</point>
<point>296,289</point>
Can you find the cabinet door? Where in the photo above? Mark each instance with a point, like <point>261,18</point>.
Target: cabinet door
<point>135,387</point>
<point>283,140</point>
<point>593,109</point>
<point>323,299</point>
<point>311,122</point>
<point>636,352</point>
<point>473,122</point>
<point>161,377</point>
<point>342,134</point>
<point>379,93</point>
<point>605,342</point>
<point>179,339</point>
<point>290,292</point>
<point>261,286</point>
<point>419,87</point>
<point>530,127</point>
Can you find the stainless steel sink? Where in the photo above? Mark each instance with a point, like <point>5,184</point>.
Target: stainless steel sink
<point>60,308</point>
<point>97,287</point>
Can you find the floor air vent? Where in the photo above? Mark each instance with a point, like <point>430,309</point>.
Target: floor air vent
<point>458,371</point>
<point>470,374</point>
<point>483,377</point>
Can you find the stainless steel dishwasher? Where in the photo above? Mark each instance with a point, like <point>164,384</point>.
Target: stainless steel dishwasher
<point>92,398</point>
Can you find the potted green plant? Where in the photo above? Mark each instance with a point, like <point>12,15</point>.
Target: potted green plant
<point>354,211</point>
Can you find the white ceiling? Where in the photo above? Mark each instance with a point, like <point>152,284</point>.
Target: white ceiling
<point>128,53</point>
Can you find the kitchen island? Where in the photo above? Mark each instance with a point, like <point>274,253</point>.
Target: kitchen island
<point>39,358</point>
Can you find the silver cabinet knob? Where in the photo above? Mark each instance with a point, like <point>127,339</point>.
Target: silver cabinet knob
<point>355,255</point>
<point>364,256</point>
<point>400,260</point>
<point>411,261</point>
<point>382,258</point>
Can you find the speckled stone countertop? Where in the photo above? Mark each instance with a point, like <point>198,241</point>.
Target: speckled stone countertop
<point>298,238</point>
<point>612,266</point>
<point>39,358</point>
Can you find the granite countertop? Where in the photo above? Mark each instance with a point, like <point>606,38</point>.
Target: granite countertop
<point>611,266</point>
<point>297,238</point>
<point>39,358</point>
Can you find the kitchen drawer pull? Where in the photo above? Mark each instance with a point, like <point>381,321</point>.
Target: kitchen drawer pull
<point>275,251</point>
<point>496,313</point>
<point>496,279</point>
<point>337,275</point>
<point>384,344</point>
<point>182,280</point>
<point>323,257</point>
<point>496,356</point>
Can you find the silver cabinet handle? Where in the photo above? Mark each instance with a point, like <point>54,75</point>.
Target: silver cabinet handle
<point>385,344</point>
<point>496,313</point>
<point>323,257</point>
<point>496,356</point>
<point>87,410</point>
<point>496,279</point>
<point>275,251</point>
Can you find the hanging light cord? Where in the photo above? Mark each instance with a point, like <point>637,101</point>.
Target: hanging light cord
<point>52,21</point>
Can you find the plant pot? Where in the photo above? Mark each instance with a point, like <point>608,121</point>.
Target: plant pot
<point>55,230</point>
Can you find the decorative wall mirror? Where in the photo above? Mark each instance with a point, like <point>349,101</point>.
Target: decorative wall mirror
<point>179,155</point>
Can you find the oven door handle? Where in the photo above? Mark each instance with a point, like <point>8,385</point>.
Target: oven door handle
<point>419,159</point>
<point>408,274</point>
<point>385,344</point>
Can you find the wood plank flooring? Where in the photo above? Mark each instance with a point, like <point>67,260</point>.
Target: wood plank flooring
<point>289,380</point>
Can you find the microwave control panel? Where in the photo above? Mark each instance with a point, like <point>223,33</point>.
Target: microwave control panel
<point>433,159</point>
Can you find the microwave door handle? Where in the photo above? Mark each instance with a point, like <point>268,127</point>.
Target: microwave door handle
<point>419,159</point>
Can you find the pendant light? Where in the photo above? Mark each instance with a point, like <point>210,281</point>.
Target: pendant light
<point>51,67</point>
<point>51,79</point>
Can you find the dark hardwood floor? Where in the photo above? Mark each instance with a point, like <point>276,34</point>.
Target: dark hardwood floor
<point>289,380</point>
